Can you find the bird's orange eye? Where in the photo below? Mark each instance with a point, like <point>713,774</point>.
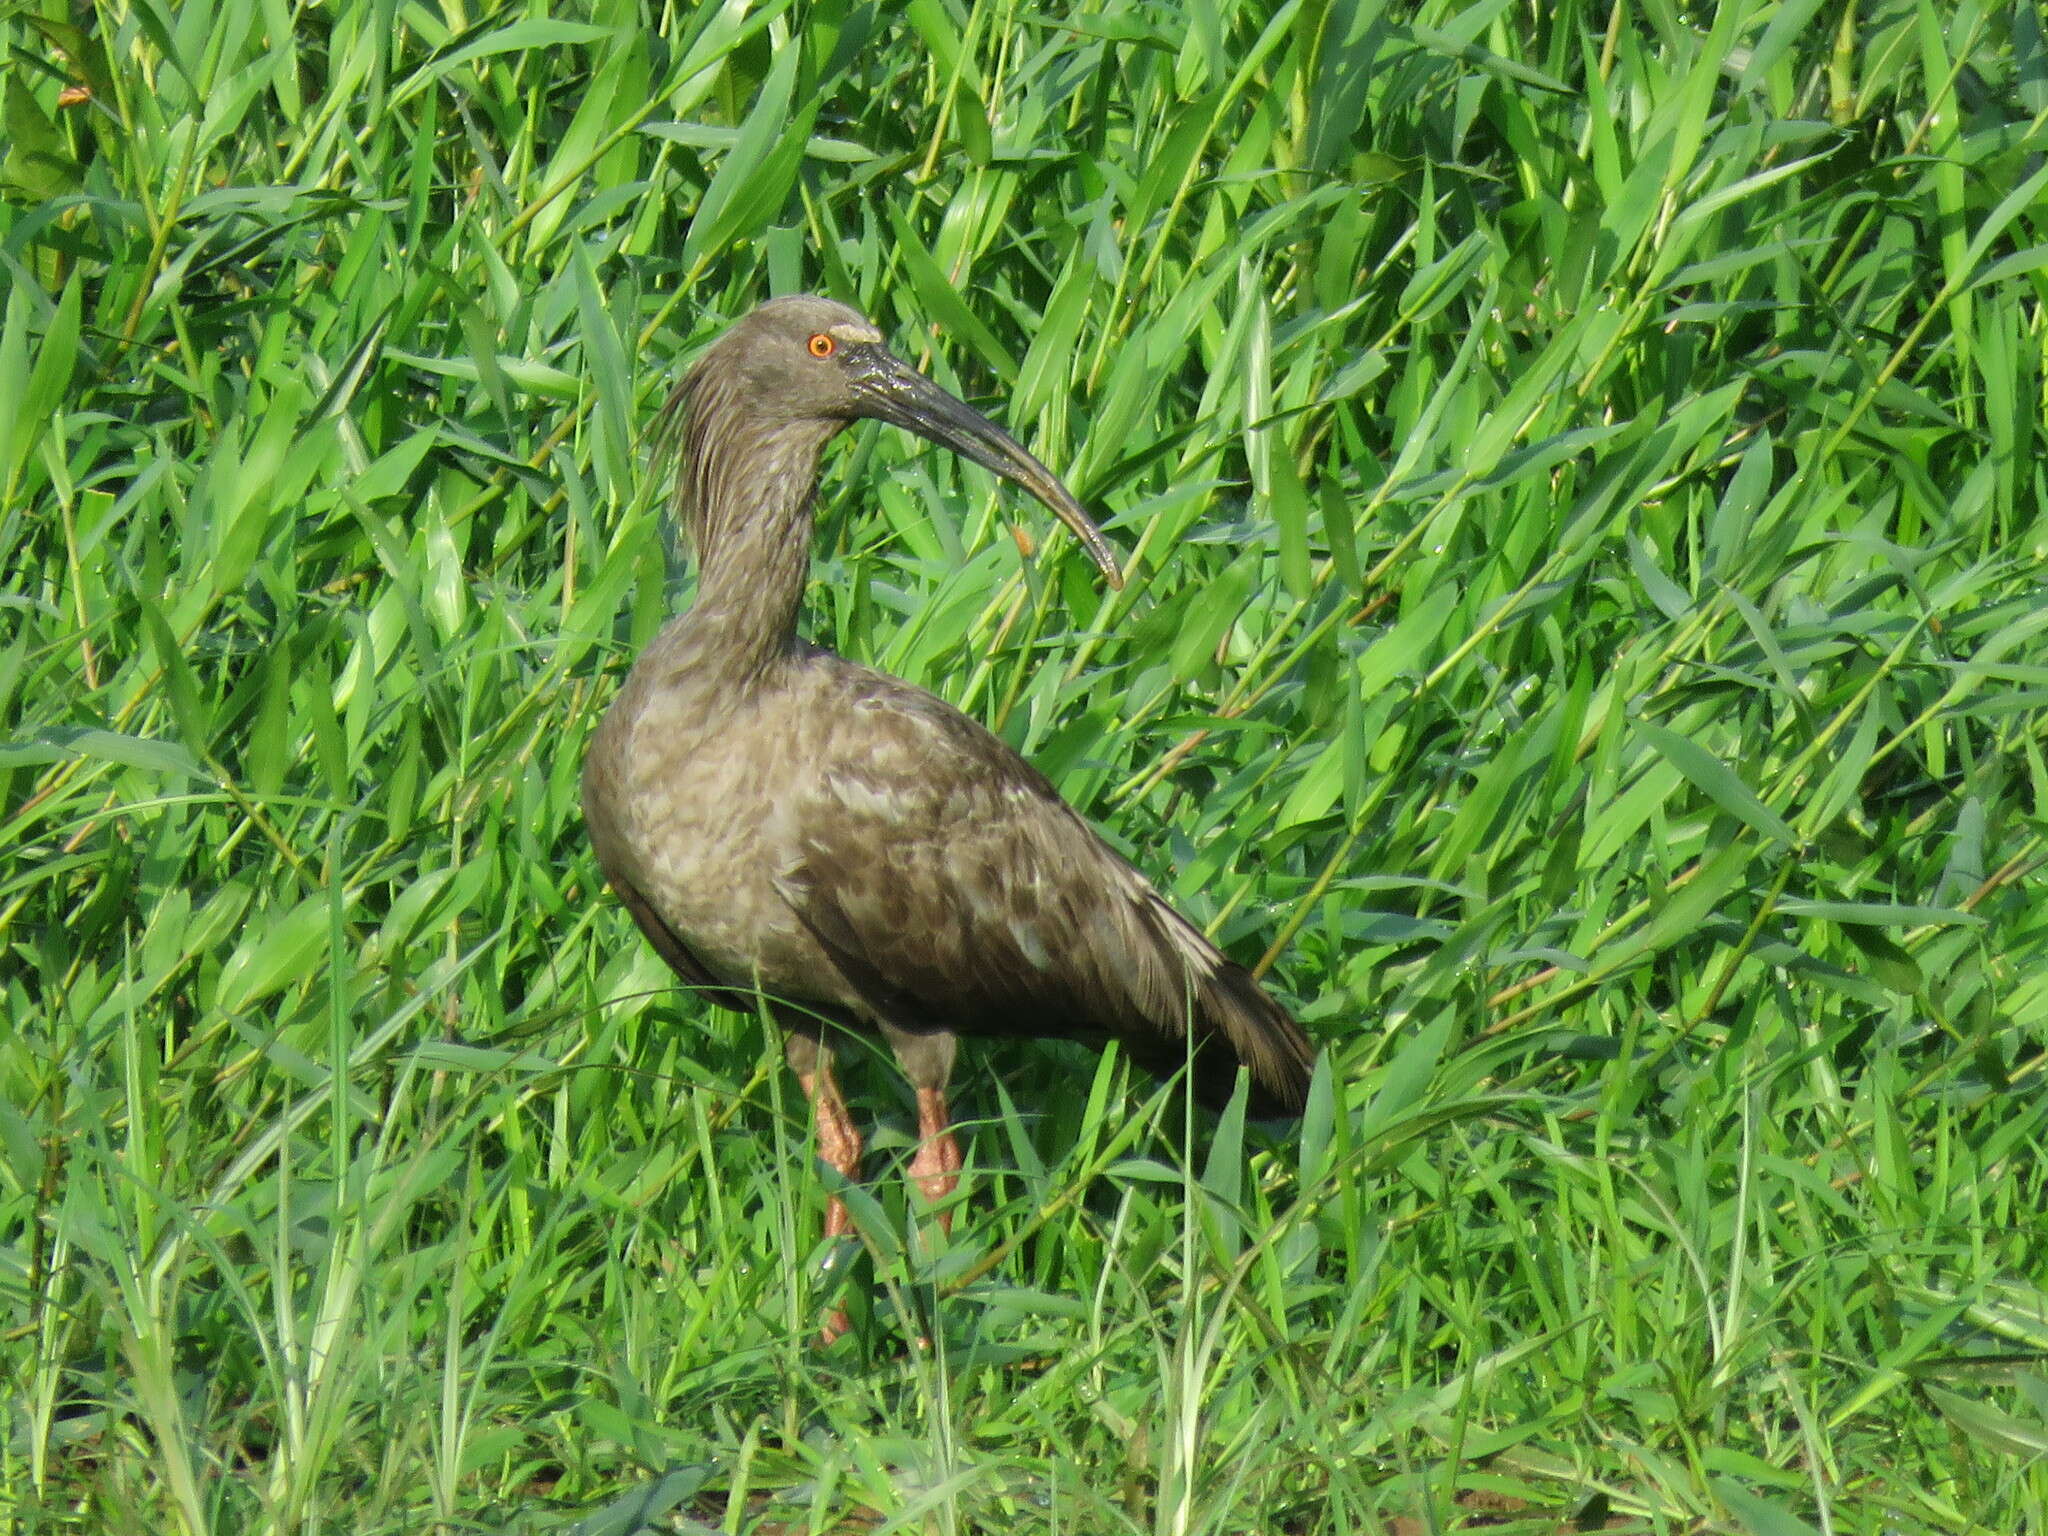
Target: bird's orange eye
<point>823,345</point>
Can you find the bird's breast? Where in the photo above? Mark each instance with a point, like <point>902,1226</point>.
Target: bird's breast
<point>690,791</point>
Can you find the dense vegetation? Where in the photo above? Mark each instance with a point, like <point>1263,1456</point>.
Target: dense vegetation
<point>1581,471</point>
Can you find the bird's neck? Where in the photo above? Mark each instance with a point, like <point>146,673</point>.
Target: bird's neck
<point>745,499</point>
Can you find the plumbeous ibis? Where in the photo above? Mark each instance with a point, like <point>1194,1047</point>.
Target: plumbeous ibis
<point>785,825</point>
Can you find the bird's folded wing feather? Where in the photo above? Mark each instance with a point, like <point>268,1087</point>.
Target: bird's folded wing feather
<point>954,889</point>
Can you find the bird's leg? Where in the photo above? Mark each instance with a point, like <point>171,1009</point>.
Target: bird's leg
<point>838,1137</point>
<point>839,1146</point>
<point>936,1164</point>
<point>926,1057</point>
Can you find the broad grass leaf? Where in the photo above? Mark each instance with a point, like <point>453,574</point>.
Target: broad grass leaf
<point>753,178</point>
<point>56,358</point>
<point>55,743</point>
<point>651,1505</point>
<point>1408,1072</point>
<point>190,711</point>
<point>37,164</point>
<point>2032,259</point>
<point>1031,1303</point>
<point>941,302</point>
<point>1484,59</point>
<point>607,365</point>
<point>452,1056</point>
<point>1876,914</point>
<point>1679,917</point>
<point>1023,1152</point>
<point>1718,782</point>
<point>1208,615</point>
<point>485,40</point>
<point>1671,599</point>
<point>1317,790</point>
<point>1147,1170</point>
<point>276,953</point>
<point>15,422</point>
<point>1044,380</point>
<point>1786,27</point>
<point>1989,1426</point>
<point>1757,1515</point>
<point>1892,964</point>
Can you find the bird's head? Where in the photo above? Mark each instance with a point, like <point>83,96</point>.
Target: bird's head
<point>803,361</point>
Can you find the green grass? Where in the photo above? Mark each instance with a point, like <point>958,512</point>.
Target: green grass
<point>1583,475</point>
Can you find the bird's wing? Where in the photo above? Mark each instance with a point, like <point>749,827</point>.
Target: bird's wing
<point>955,890</point>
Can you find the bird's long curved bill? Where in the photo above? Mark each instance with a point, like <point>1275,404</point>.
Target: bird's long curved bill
<point>903,397</point>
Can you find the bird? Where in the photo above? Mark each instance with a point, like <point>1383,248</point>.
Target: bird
<point>794,829</point>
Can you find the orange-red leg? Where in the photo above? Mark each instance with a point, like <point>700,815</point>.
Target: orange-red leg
<point>936,1164</point>
<point>839,1145</point>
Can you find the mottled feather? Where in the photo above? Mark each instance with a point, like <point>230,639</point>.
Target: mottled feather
<point>953,888</point>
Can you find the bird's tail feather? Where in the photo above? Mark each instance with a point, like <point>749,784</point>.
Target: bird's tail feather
<point>1236,1020</point>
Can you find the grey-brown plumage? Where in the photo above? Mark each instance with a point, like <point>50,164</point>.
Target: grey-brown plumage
<point>783,823</point>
